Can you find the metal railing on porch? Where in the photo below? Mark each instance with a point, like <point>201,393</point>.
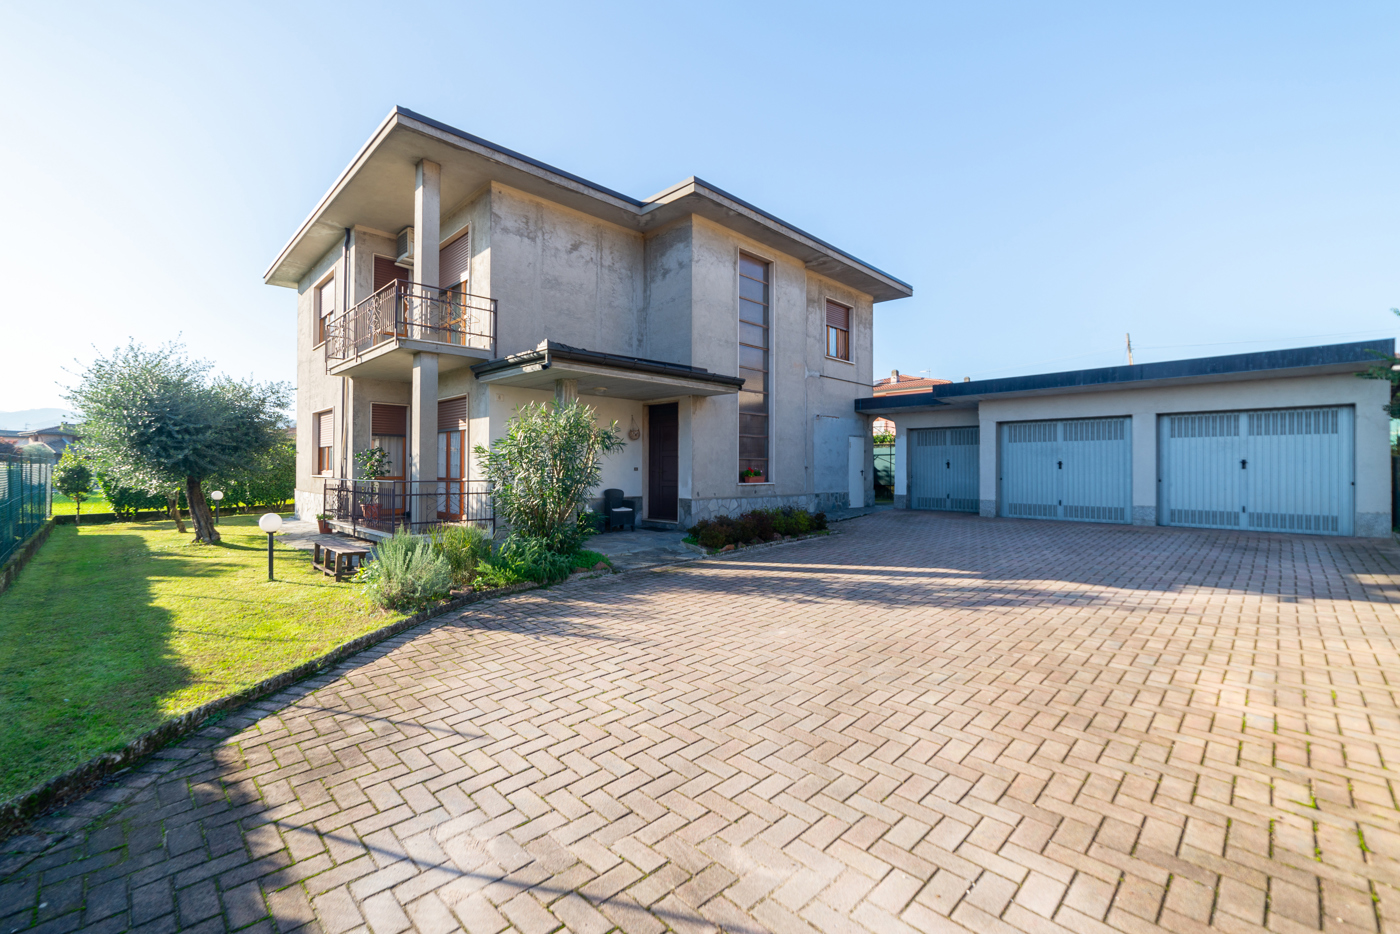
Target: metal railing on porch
<point>388,505</point>
<point>404,310</point>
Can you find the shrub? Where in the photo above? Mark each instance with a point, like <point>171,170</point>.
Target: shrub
<point>464,547</point>
<point>125,501</point>
<point>406,573</point>
<point>522,558</point>
<point>756,526</point>
<point>543,469</point>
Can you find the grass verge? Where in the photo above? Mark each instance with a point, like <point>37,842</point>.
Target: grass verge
<point>114,628</point>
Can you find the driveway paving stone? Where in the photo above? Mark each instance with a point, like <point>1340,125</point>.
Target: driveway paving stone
<point>924,723</point>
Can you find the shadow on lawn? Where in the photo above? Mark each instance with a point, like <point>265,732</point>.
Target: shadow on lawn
<point>84,652</point>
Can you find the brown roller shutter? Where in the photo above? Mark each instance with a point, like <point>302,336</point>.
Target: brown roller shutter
<point>838,316</point>
<point>385,272</point>
<point>388,419</point>
<point>325,429</point>
<point>454,261</point>
<point>452,414</point>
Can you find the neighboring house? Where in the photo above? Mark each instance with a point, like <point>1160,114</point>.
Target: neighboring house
<point>57,437</point>
<point>898,383</point>
<point>444,281</point>
<point>1287,440</point>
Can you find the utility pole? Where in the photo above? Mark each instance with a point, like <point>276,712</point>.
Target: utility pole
<point>1129,339</point>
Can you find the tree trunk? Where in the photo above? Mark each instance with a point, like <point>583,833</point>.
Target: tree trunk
<point>172,502</point>
<point>200,514</point>
<point>78,506</point>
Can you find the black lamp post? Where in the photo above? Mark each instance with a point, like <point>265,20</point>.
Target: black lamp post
<point>270,523</point>
<point>217,496</point>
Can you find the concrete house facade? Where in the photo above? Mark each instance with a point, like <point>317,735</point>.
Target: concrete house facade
<point>444,281</point>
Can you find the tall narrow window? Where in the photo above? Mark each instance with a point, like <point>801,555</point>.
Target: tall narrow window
<point>753,367</point>
<point>838,331</point>
<point>389,430</point>
<point>325,439</point>
<point>325,307</point>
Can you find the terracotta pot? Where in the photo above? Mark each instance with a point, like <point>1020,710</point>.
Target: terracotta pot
<point>751,479</point>
<point>369,510</point>
<point>323,527</point>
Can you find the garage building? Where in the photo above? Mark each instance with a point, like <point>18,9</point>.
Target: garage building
<point>1287,440</point>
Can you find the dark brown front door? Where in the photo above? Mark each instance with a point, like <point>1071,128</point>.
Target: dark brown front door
<point>663,460</point>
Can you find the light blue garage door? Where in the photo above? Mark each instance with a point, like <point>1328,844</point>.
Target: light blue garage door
<point>943,469</point>
<point>1285,469</point>
<point>1078,469</point>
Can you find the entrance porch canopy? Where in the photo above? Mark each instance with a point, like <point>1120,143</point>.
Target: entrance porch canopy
<point>603,374</point>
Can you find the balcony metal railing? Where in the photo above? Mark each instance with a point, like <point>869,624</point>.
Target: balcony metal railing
<point>403,310</point>
<point>387,505</point>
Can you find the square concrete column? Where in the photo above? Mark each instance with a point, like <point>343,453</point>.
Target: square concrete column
<point>427,227</point>
<point>422,454</point>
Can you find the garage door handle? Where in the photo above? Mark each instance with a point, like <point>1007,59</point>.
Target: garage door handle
<point>1060,465</point>
<point>948,464</point>
<point>1244,464</point>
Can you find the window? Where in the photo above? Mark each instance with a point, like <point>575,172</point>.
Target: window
<point>389,430</point>
<point>325,441</point>
<point>838,331</point>
<point>325,307</point>
<point>753,366</point>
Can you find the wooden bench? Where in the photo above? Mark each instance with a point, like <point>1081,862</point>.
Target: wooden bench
<point>338,558</point>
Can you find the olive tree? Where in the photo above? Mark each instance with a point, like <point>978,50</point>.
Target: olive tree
<point>156,420</point>
<point>544,467</point>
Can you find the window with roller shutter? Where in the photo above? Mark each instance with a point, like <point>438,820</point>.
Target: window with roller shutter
<point>386,271</point>
<point>454,262</point>
<point>838,331</point>
<point>325,441</point>
<point>389,431</point>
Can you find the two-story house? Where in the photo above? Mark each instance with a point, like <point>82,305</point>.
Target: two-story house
<point>444,281</point>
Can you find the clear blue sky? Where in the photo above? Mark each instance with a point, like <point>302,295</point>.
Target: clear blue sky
<point>1211,177</point>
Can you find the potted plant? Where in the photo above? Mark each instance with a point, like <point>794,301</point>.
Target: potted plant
<point>373,464</point>
<point>751,476</point>
<point>323,523</point>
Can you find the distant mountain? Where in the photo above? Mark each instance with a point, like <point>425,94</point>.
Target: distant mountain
<point>34,418</point>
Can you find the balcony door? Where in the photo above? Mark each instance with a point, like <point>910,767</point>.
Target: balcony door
<point>452,459</point>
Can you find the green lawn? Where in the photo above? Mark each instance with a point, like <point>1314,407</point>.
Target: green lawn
<point>114,627</point>
<point>93,505</point>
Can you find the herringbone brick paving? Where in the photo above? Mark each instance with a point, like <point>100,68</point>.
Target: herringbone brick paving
<point>926,723</point>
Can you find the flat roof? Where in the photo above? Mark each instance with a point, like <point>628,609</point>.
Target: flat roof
<point>1265,364</point>
<point>376,191</point>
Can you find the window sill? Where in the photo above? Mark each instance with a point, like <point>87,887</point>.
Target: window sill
<point>839,360</point>
<point>764,483</point>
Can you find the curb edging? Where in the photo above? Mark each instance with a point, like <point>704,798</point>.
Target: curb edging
<point>19,811</point>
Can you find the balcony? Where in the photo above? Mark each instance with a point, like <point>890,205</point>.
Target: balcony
<point>379,336</point>
<point>382,506</point>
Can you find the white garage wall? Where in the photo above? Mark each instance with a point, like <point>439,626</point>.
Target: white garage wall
<point>1144,405</point>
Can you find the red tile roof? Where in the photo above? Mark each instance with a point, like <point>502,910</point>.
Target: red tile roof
<point>906,383</point>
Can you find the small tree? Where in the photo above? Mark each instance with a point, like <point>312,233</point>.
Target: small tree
<point>544,467</point>
<point>73,478</point>
<point>1386,368</point>
<point>155,420</point>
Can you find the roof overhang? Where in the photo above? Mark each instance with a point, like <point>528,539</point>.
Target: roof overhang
<point>376,191</point>
<point>1323,360</point>
<point>603,374</point>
